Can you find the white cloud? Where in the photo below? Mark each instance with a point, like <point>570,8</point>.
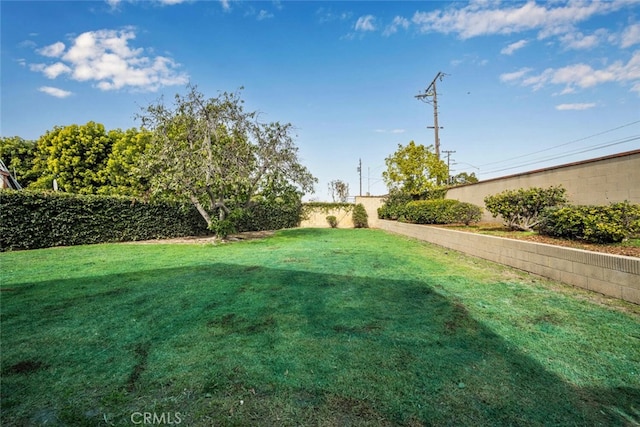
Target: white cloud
<point>577,40</point>
<point>582,75</point>
<point>53,50</point>
<point>630,36</point>
<point>398,22</point>
<point>366,23</point>
<point>54,91</point>
<point>263,14</point>
<point>485,18</point>
<point>226,4</point>
<point>583,106</point>
<point>389,131</point>
<point>53,71</point>
<point>105,57</point>
<point>513,47</point>
<point>516,75</point>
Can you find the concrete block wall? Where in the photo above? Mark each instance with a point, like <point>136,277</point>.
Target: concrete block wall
<point>612,275</point>
<point>598,181</point>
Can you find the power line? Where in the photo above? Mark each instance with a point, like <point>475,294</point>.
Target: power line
<point>562,145</point>
<point>571,153</point>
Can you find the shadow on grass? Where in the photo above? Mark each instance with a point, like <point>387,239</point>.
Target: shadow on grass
<point>227,344</point>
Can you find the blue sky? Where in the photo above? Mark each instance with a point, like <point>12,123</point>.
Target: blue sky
<point>527,85</point>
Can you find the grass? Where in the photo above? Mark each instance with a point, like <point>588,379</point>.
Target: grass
<point>310,327</point>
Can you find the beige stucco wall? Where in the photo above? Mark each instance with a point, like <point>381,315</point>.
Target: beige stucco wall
<point>371,205</point>
<point>317,218</point>
<point>596,182</point>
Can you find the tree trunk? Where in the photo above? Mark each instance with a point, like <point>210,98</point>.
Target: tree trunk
<point>201,209</point>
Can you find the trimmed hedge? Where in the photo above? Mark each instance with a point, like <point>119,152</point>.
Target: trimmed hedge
<point>445,211</point>
<point>30,220</point>
<point>270,215</point>
<point>595,224</point>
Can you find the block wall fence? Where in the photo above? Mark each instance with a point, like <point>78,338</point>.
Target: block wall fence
<point>598,181</point>
<point>612,275</point>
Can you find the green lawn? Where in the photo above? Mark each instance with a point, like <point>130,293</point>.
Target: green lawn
<point>309,327</point>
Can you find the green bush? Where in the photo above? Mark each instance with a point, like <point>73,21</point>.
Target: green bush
<point>467,213</point>
<point>445,211</point>
<point>520,209</point>
<point>595,224</point>
<point>333,221</point>
<point>360,217</point>
<point>394,205</point>
<point>30,220</point>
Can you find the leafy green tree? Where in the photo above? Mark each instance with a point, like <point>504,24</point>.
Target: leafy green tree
<point>464,178</point>
<point>218,156</point>
<point>18,155</point>
<point>123,173</point>
<point>75,156</point>
<point>415,170</point>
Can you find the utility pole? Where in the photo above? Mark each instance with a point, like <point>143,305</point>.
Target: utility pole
<point>431,92</point>
<point>360,172</point>
<point>448,153</point>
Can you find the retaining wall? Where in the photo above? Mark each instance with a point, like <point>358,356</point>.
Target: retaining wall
<point>612,275</point>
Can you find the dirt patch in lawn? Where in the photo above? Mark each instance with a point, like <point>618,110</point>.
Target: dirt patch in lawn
<point>249,235</point>
<point>500,231</point>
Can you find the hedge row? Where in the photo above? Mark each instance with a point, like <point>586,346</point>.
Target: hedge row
<point>30,220</point>
<point>442,211</point>
<point>595,224</point>
<point>270,215</point>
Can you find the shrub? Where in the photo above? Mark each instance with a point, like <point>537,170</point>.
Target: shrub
<point>520,209</point>
<point>595,224</point>
<point>467,213</point>
<point>441,212</point>
<point>394,205</point>
<point>360,217</point>
<point>333,221</point>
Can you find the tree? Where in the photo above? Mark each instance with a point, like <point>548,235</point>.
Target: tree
<point>123,173</point>
<point>18,155</point>
<point>339,190</point>
<point>414,170</point>
<point>464,178</point>
<point>75,156</point>
<point>218,156</point>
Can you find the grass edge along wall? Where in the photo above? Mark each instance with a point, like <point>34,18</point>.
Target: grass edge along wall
<point>612,275</point>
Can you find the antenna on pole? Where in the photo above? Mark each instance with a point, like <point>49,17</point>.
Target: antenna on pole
<point>448,153</point>
<point>360,172</point>
<point>430,96</point>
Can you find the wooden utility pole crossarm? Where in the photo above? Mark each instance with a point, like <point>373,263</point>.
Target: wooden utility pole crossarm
<point>431,92</point>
